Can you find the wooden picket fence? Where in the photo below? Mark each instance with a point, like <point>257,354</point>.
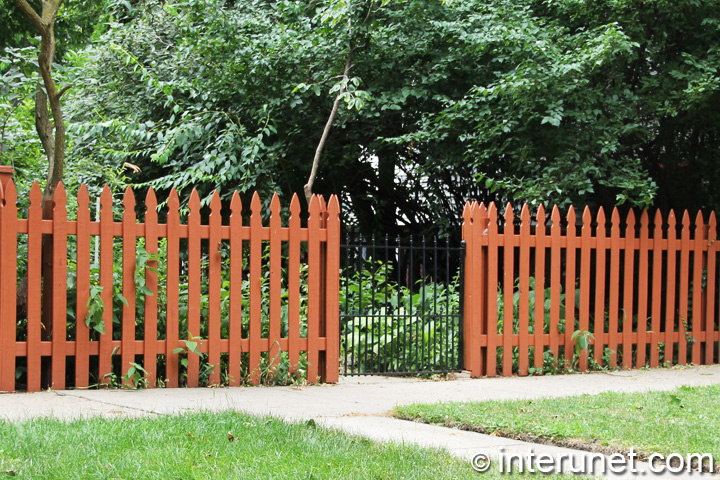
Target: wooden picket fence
<point>648,296</point>
<point>270,279</point>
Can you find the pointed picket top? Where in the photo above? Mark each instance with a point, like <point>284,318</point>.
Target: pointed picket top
<point>334,207</point>
<point>525,216</point>
<point>601,221</point>
<point>509,219</point>
<point>586,219</point>
<point>630,222</point>
<point>672,223</point>
<point>571,217</point>
<point>106,201</point>
<point>493,213</point>
<point>255,208</point>
<point>658,223</point>
<point>215,203</point>
<point>699,224</point>
<point>686,221</point>
<point>83,197</point>
<point>615,220</point>
<point>36,194</point>
<point>60,196</point>
<point>555,216</point>
<point>314,207</point>
<point>235,205</point>
<point>151,201</point>
<point>173,200</point>
<point>644,220</point>
<point>712,232</point>
<point>10,194</point>
<point>129,200</point>
<point>194,202</point>
<point>275,205</point>
<point>467,214</point>
<point>540,220</point>
<point>295,207</point>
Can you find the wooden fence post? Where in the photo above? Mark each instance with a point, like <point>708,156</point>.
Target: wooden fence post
<point>332,289</point>
<point>470,320</point>
<point>8,274</point>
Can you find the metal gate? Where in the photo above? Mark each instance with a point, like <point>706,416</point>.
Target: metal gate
<point>401,306</point>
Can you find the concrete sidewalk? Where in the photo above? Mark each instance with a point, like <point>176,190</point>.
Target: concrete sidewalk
<point>359,405</point>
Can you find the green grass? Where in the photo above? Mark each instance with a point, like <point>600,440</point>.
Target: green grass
<point>686,420</point>
<point>225,445</point>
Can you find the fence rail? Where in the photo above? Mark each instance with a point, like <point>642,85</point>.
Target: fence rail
<point>639,295</point>
<point>251,305</point>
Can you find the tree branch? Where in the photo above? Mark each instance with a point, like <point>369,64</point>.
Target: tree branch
<point>326,130</point>
<point>31,14</point>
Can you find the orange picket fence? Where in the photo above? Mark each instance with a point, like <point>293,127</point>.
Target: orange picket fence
<point>538,289</point>
<point>205,291</point>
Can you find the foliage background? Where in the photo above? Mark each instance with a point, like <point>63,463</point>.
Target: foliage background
<point>556,101</point>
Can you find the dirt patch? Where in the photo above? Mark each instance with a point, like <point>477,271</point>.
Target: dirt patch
<point>594,446</point>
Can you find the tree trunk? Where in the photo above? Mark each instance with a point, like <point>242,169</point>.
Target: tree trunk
<point>326,131</point>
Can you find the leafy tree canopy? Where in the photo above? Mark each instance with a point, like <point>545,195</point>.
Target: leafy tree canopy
<point>555,101</point>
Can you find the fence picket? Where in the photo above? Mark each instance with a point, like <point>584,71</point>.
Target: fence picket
<point>642,290</point>
<point>671,289</point>
<point>172,320</point>
<point>524,339</point>
<point>570,257</point>
<point>699,268</point>
<point>255,327</point>
<point>151,282</point>
<point>34,289</point>
<point>8,274</point>
<point>555,282</point>
<point>128,282</point>
<point>332,289</point>
<point>82,290</point>
<point>585,253</point>
<point>601,263</point>
<point>471,324</point>
<point>194,288</point>
<point>214,287</point>
<point>508,290</point>
<point>313,320</point>
<point>712,335</point>
<point>613,321</point>
<point>59,301</point>
<point>106,283</point>
<point>628,284</point>
<point>685,246</point>
<point>491,290</point>
<point>294,284</point>
<point>236,269</point>
<point>656,296</point>
<point>275,272</point>
<point>540,245</point>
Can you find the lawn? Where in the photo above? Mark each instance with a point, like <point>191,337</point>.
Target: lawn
<point>225,445</point>
<point>685,420</point>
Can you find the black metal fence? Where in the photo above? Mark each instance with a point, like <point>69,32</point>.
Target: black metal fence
<point>401,306</point>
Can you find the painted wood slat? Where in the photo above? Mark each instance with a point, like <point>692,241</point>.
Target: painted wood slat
<point>214,287</point>
<point>34,299</point>
<point>82,291</point>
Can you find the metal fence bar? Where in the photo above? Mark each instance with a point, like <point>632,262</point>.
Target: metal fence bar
<point>401,312</point>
